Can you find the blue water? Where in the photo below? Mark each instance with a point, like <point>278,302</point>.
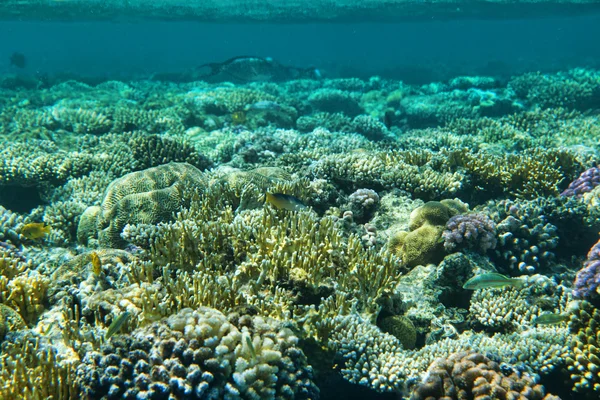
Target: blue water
<point>419,51</point>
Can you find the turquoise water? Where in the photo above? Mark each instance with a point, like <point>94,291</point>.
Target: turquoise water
<point>299,201</point>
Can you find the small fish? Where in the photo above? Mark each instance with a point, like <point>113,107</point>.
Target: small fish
<point>238,117</point>
<point>550,319</point>
<point>96,263</point>
<point>492,280</point>
<point>251,346</point>
<point>244,69</point>
<point>117,324</point>
<point>263,105</point>
<point>285,202</point>
<point>18,60</point>
<point>35,230</point>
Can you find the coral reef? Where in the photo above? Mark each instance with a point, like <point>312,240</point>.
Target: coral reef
<point>166,273</point>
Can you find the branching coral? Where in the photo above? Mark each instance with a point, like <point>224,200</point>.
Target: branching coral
<point>30,371</point>
<point>583,361</point>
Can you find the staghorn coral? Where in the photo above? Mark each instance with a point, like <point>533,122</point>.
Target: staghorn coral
<point>473,375</point>
<point>196,354</point>
<point>9,223</point>
<point>376,359</point>
<point>583,360</point>
<point>26,293</point>
<point>154,150</point>
<point>31,370</point>
<point>576,88</point>
<point>334,122</point>
<point>40,161</point>
<point>335,101</point>
<point>529,174</point>
<point>79,120</point>
<point>370,127</point>
<point>420,173</point>
<point>63,217</point>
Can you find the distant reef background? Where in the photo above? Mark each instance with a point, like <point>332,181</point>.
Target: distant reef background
<point>289,10</point>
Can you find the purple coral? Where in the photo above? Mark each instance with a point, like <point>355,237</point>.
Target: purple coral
<point>587,280</point>
<point>587,181</point>
<point>476,231</point>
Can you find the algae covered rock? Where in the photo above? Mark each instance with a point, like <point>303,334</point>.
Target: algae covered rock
<point>143,197</point>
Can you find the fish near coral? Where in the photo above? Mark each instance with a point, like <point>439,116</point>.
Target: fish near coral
<point>492,280</point>
<point>96,263</point>
<point>285,202</point>
<point>550,319</point>
<point>18,60</point>
<point>117,324</point>
<point>35,230</point>
<point>238,117</point>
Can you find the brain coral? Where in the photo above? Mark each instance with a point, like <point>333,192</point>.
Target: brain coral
<point>423,244</point>
<point>144,197</point>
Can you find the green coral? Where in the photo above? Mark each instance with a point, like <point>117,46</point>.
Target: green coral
<point>422,244</point>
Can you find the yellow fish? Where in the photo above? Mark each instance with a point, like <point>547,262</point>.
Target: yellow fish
<point>96,263</point>
<point>285,201</point>
<point>238,117</point>
<point>35,230</point>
